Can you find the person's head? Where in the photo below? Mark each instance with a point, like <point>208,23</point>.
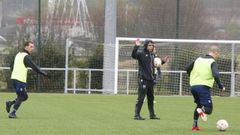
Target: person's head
<point>29,47</point>
<point>214,51</point>
<point>149,45</point>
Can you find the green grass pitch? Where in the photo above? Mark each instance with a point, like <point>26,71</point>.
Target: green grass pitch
<point>79,114</point>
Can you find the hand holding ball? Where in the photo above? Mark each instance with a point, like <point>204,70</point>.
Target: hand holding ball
<point>157,62</point>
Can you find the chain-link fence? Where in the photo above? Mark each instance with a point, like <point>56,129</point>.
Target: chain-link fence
<point>50,22</point>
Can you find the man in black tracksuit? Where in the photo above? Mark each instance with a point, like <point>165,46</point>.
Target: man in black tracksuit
<point>146,77</point>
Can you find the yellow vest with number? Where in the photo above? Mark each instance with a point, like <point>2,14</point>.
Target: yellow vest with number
<point>19,69</point>
<point>201,73</point>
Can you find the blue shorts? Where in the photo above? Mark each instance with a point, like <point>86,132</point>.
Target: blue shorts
<point>202,95</point>
<point>19,87</point>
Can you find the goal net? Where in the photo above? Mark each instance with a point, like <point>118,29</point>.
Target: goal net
<point>174,80</point>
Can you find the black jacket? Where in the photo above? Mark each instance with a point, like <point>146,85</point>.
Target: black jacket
<point>145,63</point>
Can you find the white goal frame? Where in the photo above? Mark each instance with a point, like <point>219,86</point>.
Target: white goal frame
<point>232,42</point>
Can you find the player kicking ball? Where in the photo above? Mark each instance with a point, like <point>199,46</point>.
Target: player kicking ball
<point>203,72</point>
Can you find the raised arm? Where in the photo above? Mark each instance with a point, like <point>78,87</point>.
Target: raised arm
<point>135,52</point>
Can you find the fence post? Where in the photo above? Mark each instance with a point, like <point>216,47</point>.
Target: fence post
<point>180,84</point>
<point>127,82</point>
<point>89,81</point>
<point>74,80</point>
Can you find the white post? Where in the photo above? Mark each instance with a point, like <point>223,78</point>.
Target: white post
<point>74,80</point>
<point>116,66</point>
<point>232,71</point>
<point>180,87</point>
<point>89,80</point>
<point>68,44</point>
<point>127,82</point>
<point>109,47</point>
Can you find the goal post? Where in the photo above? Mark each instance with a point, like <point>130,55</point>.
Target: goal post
<point>174,80</point>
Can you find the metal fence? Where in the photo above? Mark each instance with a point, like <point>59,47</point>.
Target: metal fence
<point>129,86</point>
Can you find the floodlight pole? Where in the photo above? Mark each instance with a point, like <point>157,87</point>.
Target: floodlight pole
<point>110,64</point>
<point>177,20</point>
<point>39,41</point>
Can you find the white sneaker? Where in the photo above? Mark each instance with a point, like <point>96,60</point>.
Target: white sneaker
<point>202,115</point>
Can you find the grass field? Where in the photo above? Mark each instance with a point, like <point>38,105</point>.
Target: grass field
<point>68,114</point>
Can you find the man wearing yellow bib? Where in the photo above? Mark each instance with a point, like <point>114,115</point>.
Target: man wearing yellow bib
<point>203,73</point>
<point>19,77</point>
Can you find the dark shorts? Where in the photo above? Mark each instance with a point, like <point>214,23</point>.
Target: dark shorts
<point>202,95</point>
<point>19,87</point>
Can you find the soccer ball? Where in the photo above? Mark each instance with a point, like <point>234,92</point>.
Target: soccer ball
<point>157,62</point>
<point>222,125</point>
